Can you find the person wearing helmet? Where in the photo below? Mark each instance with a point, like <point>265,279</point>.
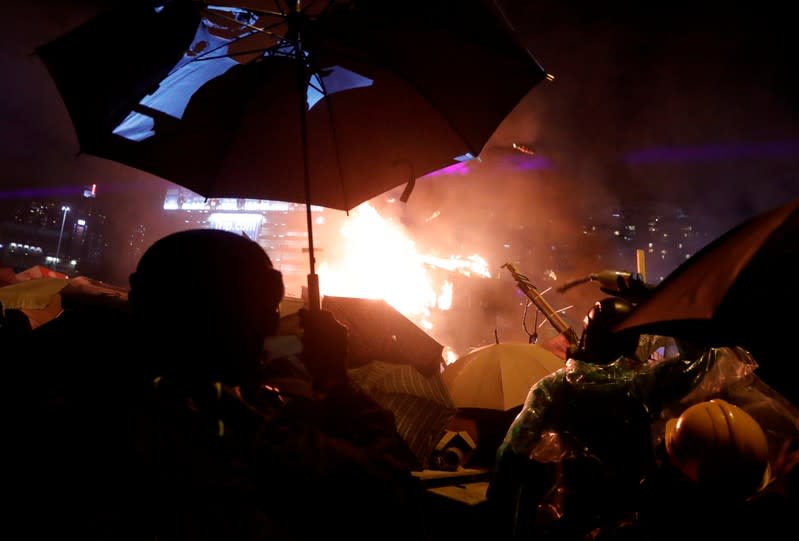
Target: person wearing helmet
<point>207,298</point>
<point>178,415</point>
<point>260,465</point>
<point>598,344</point>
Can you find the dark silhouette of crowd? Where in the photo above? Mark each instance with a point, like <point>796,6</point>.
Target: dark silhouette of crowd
<point>168,419</point>
<point>173,417</point>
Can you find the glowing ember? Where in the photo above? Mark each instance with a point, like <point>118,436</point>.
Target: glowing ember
<point>449,355</point>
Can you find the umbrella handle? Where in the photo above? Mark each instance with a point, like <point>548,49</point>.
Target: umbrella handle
<point>314,298</point>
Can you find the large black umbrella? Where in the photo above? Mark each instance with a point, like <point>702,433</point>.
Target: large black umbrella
<point>742,289</point>
<point>213,97</point>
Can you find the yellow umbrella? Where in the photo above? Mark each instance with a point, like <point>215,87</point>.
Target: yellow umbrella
<point>39,299</point>
<point>498,376</point>
<point>38,317</point>
<point>32,294</point>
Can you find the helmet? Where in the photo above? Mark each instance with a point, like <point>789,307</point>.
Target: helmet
<point>598,344</point>
<point>208,271</point>
<point>719,445</point>
<point>228,294</point>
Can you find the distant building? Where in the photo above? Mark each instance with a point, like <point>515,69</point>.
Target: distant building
<point>279,227</point>
<point>668,236</point>
<point>69,234</point>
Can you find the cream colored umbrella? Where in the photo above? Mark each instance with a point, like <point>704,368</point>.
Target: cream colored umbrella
<point>498,376</point>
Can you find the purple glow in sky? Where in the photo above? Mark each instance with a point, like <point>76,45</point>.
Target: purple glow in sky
<point>716,152</point>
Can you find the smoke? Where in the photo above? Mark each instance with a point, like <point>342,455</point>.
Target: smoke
<point>653,115</point>
<point>648,112</point>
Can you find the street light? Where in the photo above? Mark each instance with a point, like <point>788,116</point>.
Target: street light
<point>60,235</point>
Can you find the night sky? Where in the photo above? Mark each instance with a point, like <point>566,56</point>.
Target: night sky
<point>651,103</point>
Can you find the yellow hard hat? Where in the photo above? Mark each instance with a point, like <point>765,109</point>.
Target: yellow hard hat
<point>719,445</point>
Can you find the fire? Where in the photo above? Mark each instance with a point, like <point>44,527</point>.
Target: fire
<point>379,260</point>
<point>472,265</point>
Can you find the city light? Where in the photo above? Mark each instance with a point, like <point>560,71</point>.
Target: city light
<point>65,209</point>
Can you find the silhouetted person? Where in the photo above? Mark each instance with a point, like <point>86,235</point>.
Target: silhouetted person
<point>15,329</point>
<point>224,455</point>
<point>177,435</point>
<point>15,324</point>
<point>75,378</point>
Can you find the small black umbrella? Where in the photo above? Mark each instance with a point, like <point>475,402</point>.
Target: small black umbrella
<point>213,97</point>
<point>740,290</point>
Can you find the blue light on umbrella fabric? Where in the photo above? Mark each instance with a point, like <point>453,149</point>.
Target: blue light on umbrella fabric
<point>210,55</point>
<point>402,97</point>
<point>177,89</point>
<point>335,79</point>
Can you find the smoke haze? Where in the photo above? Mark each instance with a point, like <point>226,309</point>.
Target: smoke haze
<point>649,109</point>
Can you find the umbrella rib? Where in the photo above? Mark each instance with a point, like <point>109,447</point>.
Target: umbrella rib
<point>233,55</point>
<point>327,97</point>
<point>255,29</point>
<point>204,55</point>
<point>264,29</point>
<point>313,68</point>
<point>333,133</point>
<point>249,10</point>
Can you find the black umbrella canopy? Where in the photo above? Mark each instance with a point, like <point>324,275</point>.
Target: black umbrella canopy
<point>103,68</point>
<point>329,104</point>
<point>739,290</point>
<point>209,97</point>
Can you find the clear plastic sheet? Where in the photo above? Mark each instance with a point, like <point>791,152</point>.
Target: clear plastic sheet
<point>646,386</point>
<point>612,417</point>
<point>732,376</point>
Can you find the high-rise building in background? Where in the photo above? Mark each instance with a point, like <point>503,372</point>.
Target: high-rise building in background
<point>668,236</point>
<point>69,234</point>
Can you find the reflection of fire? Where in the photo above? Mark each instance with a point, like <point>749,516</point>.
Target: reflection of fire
<point>379,260</point>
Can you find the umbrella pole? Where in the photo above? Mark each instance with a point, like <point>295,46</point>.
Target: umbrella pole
<point>314,297</point>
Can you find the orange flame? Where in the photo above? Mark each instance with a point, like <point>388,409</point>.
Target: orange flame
<point>379,260</point>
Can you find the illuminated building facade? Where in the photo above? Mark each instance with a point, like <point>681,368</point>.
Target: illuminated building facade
<point>279,227</point>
